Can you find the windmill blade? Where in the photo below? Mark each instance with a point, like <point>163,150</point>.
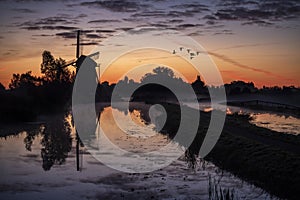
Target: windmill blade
<point>68,63</point>
<point>94,56</point>
<point>98,72</point>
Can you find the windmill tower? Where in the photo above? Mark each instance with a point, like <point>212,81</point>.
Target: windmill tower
<point>77,62</point>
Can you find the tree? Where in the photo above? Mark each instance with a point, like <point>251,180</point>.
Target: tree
<point>162,72</point>
<point>25,80</point>
<point>2,87</point>
<point>53,69</point>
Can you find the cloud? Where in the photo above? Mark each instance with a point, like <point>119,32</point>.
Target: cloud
<point>233,74</point>
<point>258,22</point>
<point>175,21</point>
<point>240,65</point>
<point>105,31</point>
<point>151,13</point>
<point>125,28</point>
<point>60,22</point>
<point>212,26</point>
<point>94,36</point>
<point>263,13</point>
<point>104,21</point>
<point>210,17</point>
<point>67,35</point>
<point>24,10</point>
<point>189,25</point>
<point>81,16</point>
<point>194,8</point>
<point>165,14</point>
<point>243,46</point>
<point>88,43</point>
<point>63,20</point>
<point>32,28</point>
<point>87,37</point>
<point>180,14</point>
<point>159,25</point>
<point>115,5</point>
<point>224,32</point>
<point>43,35</point>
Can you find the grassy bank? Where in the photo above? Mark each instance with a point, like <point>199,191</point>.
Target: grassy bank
<point>267,159</point>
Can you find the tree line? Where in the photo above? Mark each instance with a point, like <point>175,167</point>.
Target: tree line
<point>29,95</point>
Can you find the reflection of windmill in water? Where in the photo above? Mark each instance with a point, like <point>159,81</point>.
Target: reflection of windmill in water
<point>77,62</point>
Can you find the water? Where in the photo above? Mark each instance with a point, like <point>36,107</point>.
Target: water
<point>280,122</point>
<point>39,163</point>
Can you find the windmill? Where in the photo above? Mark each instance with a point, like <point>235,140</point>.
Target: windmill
<point>79,57</point>
<point>77,62</point>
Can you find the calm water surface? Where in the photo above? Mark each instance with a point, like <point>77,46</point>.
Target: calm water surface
<point>281,122</point>
<point>39,163</point>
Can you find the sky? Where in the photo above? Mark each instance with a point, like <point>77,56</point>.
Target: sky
<point>248,40</point>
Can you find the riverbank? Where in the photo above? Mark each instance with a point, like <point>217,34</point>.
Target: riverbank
<point>266,158</point>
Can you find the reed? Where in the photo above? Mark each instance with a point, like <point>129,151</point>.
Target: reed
<point>216,192</point>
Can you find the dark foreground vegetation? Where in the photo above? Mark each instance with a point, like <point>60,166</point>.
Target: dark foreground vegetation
<point>266,158</point>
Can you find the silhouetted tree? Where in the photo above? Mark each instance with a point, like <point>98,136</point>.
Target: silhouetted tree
<point>162,72</point>
<point>156,86</point>
<point>25,80</point>
<point>53,68</point>
<point>239,87</point>
<point>2,87</point>
<point>124,85</point>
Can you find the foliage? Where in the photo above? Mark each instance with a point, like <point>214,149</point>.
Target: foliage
<point>25,80</point>
<point>239,87</point>
<point>163,72</point>
<point>31,95</point>
<point>54,69</point>
<point>2,87</point>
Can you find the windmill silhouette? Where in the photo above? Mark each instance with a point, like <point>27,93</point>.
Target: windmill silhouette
<point>77,62</point>
<point>79,56</point>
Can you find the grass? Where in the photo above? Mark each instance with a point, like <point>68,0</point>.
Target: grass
<point>265,158</point>
<point>216,192</point>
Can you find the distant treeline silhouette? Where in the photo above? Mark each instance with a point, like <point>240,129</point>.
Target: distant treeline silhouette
<point>29,96</point>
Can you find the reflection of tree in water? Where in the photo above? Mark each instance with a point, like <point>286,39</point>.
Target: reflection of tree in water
<point>171,126</point>
<point>56,141</point>
<point>30,136</point>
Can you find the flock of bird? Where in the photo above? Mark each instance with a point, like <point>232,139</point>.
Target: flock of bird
<point>189,51</point>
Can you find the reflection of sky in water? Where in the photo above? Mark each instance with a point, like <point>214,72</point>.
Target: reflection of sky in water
<point>275,121</point>
<point>22,175</point>
<point>131,132</point>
